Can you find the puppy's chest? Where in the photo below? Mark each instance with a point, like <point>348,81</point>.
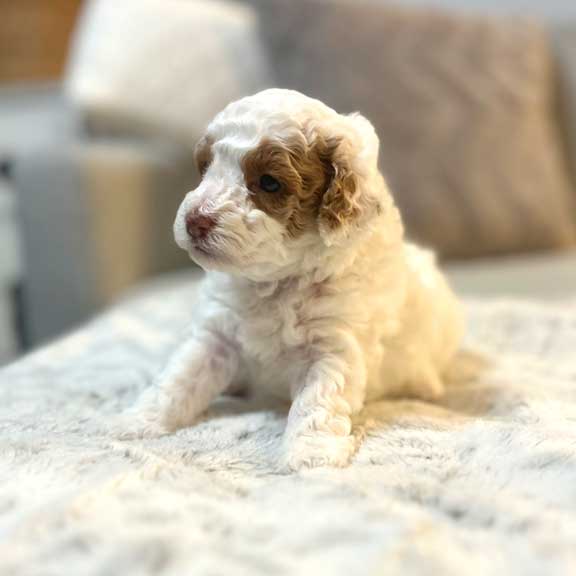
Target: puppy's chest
<point>275,327</point>
<point>276,335</point>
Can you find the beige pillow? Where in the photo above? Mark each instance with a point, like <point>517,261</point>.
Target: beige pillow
<point>464,108</point>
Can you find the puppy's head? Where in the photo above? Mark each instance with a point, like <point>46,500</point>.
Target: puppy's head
<point>285,179</point>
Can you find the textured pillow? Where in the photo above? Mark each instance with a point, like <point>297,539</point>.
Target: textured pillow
<point>463,106</point>
<point>163,65</point>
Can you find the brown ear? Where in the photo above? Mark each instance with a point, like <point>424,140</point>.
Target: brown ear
<point>340,208</point>
<point>203,154</point>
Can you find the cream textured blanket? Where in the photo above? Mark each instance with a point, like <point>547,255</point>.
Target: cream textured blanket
<point>482,483</point>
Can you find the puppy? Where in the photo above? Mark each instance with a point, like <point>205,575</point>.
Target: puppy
<point>311,292</point>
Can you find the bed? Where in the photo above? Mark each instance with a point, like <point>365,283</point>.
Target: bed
<point>482,482</point>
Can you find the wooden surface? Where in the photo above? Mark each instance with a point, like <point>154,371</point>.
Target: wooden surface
<point>34,37</point>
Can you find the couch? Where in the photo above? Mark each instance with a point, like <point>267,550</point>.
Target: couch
<point>97,203</point>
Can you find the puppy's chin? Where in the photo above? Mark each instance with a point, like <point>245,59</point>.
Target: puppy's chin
<point>255,272</point>
<point>208,259</point>
<point>264,265</point>
<point>217,261</point>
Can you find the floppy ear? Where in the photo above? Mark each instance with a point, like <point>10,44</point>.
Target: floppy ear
<point>339,207</point>
<point>352,194</point>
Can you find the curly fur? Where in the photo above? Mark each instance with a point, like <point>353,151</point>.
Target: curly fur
<point>311,294</point>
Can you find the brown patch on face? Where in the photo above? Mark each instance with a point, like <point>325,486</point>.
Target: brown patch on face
<point>203,154</point>
<point>304,173</point>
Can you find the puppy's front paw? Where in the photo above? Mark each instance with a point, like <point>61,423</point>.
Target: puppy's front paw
<point>143,420</point>
<point>133,424</point>
<point>317,449</point>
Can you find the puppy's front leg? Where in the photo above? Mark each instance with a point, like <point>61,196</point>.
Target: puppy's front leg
<point>201,368</point>
<point>318,431</point>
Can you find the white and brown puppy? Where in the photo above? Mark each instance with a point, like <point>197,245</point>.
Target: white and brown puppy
<point>311,292</point>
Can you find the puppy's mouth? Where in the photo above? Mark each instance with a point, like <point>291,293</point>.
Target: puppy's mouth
<point>205,253</point>
<point>198,248</point>
<point>203,250</point>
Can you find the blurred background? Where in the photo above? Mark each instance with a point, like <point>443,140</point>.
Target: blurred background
<point>101,103</point>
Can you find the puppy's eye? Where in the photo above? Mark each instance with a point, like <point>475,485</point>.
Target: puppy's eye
<point>269,183</point>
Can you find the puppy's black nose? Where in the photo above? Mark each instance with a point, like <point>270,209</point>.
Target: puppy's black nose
<point>199,225</point>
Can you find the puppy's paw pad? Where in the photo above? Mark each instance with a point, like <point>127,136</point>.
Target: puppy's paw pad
<point>311,451</point>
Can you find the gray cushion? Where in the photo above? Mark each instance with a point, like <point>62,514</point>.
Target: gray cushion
<point>538,276</point>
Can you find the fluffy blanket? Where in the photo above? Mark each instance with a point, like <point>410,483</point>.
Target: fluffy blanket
<point>483,482</point>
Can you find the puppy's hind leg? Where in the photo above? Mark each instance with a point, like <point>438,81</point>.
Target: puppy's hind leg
<point>424,383</point>
<point>410,375</point>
